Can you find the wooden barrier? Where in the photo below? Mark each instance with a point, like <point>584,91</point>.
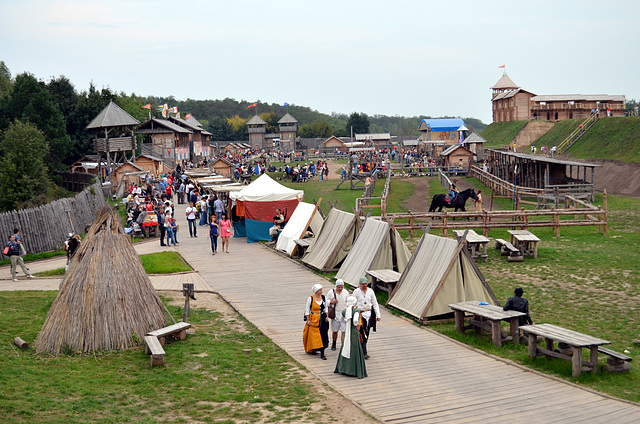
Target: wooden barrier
<point>45,228</point>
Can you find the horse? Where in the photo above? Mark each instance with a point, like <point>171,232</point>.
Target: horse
<point>457,203</point>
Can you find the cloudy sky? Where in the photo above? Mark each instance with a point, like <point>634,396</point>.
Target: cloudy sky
<point>379,57</point>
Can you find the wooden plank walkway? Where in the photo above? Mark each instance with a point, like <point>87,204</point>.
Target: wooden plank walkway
<point>415,374</point>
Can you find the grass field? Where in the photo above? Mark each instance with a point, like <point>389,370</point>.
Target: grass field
<point>206,379</point>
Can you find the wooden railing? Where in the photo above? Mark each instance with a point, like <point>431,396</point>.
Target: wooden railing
<point>577,133</point>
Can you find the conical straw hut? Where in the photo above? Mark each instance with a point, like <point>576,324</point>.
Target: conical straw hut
<point>106,299</point>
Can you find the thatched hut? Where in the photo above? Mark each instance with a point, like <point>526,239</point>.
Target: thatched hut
<point>106,299</point>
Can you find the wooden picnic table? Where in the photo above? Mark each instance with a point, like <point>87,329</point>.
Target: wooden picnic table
<point>384,279</point>
<point>574,340</point>
<point>487,317</point>
<point>476,243</point>
<point>525,241</point>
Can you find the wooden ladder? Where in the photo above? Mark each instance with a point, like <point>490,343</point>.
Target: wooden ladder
<point>577,133</point>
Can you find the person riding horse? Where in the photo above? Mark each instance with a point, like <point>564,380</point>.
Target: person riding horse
<point>453,191</point>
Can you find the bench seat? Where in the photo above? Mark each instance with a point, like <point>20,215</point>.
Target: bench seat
<point>179,330</point>
<point>508,249</point>
<point>616,362</point>
<point>154,348</point>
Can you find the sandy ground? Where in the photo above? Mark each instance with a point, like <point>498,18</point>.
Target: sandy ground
<point>334,403</point>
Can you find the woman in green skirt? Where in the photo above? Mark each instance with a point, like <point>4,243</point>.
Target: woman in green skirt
<point>351,357</point>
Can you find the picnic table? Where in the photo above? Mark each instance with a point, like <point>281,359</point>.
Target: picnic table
<point>487,317</point>
<point>572,339</point>
<point>525,241</point>
<point>476,244</point>
<point>383,279</point>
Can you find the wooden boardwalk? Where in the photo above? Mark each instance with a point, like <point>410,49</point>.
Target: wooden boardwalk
<point>415,375</point>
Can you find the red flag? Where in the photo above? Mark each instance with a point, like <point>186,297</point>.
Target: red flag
<point>253,105</point>
<point>147,106</point>
<point>188,116</point>
<point>501,66</point>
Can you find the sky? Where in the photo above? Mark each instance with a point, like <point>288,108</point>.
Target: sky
<point>405,58</point>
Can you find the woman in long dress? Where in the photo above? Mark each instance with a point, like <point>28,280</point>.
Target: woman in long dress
<point>351,357</point>
<point>315,337</point>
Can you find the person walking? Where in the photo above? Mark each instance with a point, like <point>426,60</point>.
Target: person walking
<point>338,299</point>
<point>314,336</point>
<point>12,250</point>
<point>351,357</point>
<point>478,203</point>
<point>368,304</point>
<point>218,206</point>
<point>169,229</point>
<point>225,231</point>
<point>190,212</point>
<point>204,204</point>
<point>214,230</point>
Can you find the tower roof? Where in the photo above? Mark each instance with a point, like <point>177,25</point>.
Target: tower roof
<point>256,120</point>
<point>112,116</point>
<point>505,83</point>
<point>288,119</point>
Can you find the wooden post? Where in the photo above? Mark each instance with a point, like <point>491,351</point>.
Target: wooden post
<point>20,343</point>
<point>459,316</point>
<point>576,362</point>
<point>593,357</point>
<point>496,337</point>
<point>445,222</point>
<point>533,346</point>
<point>606,213</point>
<point>514,328</point>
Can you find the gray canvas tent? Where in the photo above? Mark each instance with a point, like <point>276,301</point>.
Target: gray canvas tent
<point>334,241</point>
<point>378,246</point>
<point>440,272</point>
<point>305,216</point>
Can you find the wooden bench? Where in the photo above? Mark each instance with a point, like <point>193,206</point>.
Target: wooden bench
<point>384,279</point>
<point>567,339</point>
<point>508,249</point>
<point>525,241</point>
<point>616,362</point>
<point>302,244</point>
<point>154,348</point>
<point>488,318</point>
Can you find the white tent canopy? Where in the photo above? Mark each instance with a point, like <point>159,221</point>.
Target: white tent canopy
<point>266,189</point>
<point>440,272</point>
<point>305,216</point>
<point>375,248</point>
<point>333,243</point>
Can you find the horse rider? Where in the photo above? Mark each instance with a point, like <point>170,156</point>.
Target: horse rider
<point>453,191</point>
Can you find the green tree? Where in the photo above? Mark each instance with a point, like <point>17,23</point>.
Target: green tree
<point>90,103</point>
<point>220,129</point>
<point>359,122</point>
<point>133,106</point>
<point>23,173</point>
<point>5,80</point>
<point>30,101</point>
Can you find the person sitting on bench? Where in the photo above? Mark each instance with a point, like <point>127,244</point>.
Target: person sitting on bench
<point>520,304</point>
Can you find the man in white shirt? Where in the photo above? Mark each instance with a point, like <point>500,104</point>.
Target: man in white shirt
<point>191,219</point>
<point>338,297</point>
<point>368,303</point>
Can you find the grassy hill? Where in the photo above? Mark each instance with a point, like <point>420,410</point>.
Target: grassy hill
<point>499,134</point>
<point>609,138</point>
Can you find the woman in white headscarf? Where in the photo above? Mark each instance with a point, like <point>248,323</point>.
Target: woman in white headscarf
<point>351,358</point>
<point>315,336</point>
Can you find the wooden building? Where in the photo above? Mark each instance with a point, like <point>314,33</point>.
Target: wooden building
<point>457,156</point>
<point>235,148</point>
<point>542,172</point>
<point>89,164</point>
<point>166,140</point>
<point>333,144</point>
<point>378,140</point>
<point>221,166</point>
<point>509,102</point>
<point>288,132</point>
<point>199,148</point>
<point>115,126</point>
<point>257,128</point>
<point>475,143</point>
<point>128,173</point>
<point>152,164</point>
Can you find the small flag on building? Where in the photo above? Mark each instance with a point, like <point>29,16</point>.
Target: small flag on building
<point>147,106</point>
<point>178,115</point>
<point>285,104</point>
<point>501,66</point>
<point>174,109</point>
<point>253,105</point>
<point>187,116</point>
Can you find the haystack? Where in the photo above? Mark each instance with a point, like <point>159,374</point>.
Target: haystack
<point>106,299</point>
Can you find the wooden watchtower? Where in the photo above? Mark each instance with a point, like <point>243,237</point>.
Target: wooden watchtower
<point>257,129</point>
<point>116,126</point>
<point>288,132</point>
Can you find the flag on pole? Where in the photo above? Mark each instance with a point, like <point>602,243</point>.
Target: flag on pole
<point>178,115</point>
<point>147,106</point>
<point>285,104</point>
<point>257,169</point>
<point>187,116</point>
<point>253,105</point>
<point>501,66</point>
<point>174,109</point>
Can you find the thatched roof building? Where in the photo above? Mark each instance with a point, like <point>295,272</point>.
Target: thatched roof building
<point>105,298</point>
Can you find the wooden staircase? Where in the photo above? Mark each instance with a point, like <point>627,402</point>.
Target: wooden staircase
<point>577,133</point>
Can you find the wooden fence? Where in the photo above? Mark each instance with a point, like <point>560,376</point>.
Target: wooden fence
<point>46,227</point>
<point>582,213</point>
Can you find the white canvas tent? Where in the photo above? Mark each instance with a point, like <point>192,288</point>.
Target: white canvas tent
<point>440,272</point>
<point>333,243</point>
<point>259,201</point>
<point>305,216</point>
<point>378,246</point>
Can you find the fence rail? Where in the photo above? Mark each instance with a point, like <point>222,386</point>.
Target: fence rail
<point>45,228</point>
